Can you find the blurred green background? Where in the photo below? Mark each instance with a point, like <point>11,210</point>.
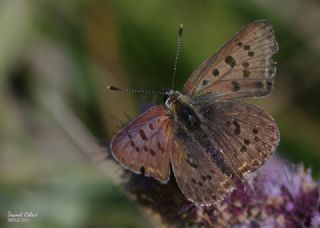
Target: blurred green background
<point>57,58</point>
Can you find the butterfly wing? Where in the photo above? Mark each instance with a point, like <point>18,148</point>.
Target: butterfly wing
<point>198,176</point>
<point>243,67</point>
<point>246,135</point>
<point>143,145</point>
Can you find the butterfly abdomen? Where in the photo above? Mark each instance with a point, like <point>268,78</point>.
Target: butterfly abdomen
<point>201,144</point>
<point>206,141</point>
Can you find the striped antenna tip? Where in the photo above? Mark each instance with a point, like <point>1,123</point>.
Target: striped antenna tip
<point>113,88</point>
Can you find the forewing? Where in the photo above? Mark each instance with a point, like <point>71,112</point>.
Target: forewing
<point>143,145</point>
<point>243,67</point>
<point>197,175</point>
<point>246,135</point>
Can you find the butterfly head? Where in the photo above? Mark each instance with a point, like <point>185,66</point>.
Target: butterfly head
<point>174,99</point>
<point>171,97</point>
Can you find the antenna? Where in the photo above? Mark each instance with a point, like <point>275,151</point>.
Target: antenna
<point>177,54</point>
<point>136,90</point>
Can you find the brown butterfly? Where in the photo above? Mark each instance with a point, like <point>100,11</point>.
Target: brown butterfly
<point>210,139</point>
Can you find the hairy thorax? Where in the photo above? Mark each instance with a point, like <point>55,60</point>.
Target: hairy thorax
<point>182,110</point>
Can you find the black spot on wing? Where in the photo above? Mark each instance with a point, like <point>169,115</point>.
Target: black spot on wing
<point>143,135</point>
<point>235,86</point>
<point>152,152</point>
<point>246,47</point>
<point>205,82</point>
<point>246,142</point>
<point>215,72</point>
<point>229,60</point>
<point>243,149</point>
<point>259,84</point>
<point>246,73</point>
<point>245,64</point>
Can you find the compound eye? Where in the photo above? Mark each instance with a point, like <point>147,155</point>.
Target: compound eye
<point>165,98</point>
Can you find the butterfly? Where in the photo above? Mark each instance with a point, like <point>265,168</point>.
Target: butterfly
<point>209,137</point>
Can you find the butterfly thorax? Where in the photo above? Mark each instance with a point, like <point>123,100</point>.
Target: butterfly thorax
<point>182,110</point>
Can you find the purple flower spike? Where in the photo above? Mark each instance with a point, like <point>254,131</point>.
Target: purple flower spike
<point>275,197</point>
<point>316,220</point>
<point>279,195</point>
